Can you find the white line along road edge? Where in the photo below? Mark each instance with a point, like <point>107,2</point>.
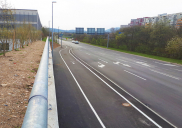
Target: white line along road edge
<point>120,94</point>
<point>100,121</point>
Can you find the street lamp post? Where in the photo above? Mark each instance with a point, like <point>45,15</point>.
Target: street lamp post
<point>58,35</point>
<point>52,26</point>
<point>49,35</point>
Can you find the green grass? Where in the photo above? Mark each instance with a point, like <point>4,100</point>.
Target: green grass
<point>44,39</point>
<point>141,54</point>
<point>1,53</point>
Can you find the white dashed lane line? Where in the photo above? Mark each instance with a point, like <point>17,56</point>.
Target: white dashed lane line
<point>135,75</point>
<point>165,74</point>
<point>103,61</point>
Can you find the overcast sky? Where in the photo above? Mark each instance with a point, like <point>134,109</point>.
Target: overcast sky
<point>69,14</point>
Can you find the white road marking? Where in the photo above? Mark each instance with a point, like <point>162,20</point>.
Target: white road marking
<point>88,54</point>
<point>103,60</point>
<point>122,64</point>
<point>165,74</point>
<point>170,65</point>
<point>121,60</point>
<point>144,64</point>
<point>72,62</point>
<point>135,75</point>
<point>101,65</point>
<point>92,108</point>
<point>178,70</point>
<point>116,63</point>
<point>125,65</point>
<point>119,94</point>
<point>166,64</point>
<point>140,60</point>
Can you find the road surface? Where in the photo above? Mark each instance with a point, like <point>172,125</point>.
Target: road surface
<point>96,87</point>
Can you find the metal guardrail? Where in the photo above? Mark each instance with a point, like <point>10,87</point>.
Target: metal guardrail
<point>36,114</point>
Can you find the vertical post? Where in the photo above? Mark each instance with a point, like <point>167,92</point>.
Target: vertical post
<point>49,33</point>
<point>13,38</point>
<point>108,41</point>
<point>52,29</point>
<point>58,35</point>
<point>61,41</point>
<point>49,36</point>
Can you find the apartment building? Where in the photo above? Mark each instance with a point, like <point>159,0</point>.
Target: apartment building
<point>174,20</point>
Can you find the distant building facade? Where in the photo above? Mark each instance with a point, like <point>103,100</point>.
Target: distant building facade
<point>23,15</point>
<point>174,20</point>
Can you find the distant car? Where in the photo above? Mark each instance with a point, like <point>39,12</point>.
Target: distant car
<point>73,41</point>
<point>76,42</point>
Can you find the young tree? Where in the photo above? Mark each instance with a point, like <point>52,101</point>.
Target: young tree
<point>6,29</point>
<point>174,47</point>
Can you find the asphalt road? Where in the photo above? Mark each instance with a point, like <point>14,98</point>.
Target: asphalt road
<point>93,84</point>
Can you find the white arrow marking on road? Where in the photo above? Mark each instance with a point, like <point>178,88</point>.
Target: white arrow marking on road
<point>88,54</point>
<point>116,63</point>
<point>103,60</point>
<point>72,62</point>
<point>125,65</point>
<point>142,63</point>
<point>101,65</point>
<point>122,64</point>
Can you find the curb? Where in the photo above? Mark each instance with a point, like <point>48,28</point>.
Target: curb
<point>52,101</point>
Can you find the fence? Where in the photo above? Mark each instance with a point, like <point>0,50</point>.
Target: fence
<point>36,114</point>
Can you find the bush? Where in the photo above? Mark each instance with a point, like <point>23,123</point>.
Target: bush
<point>174,47</point>
<point>142,49</point>
<point>123,47</point>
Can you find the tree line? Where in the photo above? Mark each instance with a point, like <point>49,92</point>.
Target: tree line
<point>159,39</point>
<point>14,34</point>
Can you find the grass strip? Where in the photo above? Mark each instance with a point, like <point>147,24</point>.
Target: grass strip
<point>142,54</point>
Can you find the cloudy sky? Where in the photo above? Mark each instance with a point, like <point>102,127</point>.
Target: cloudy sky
<point>69,14</point>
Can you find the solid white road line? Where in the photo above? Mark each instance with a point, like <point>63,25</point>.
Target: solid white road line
<point>119,94</point>
<point>100,121</point>
<point>165,74</point>
<point>103,60</point>
<point>135,75</point>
